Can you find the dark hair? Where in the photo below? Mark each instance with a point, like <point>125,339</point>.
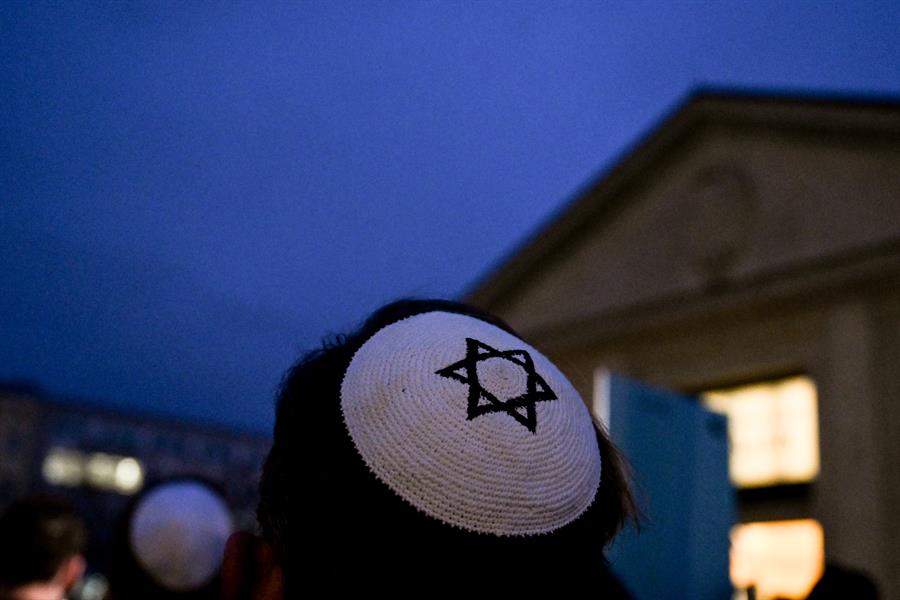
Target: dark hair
<point>839,582</point>
<point>37,535</point>
<point>320,505</point>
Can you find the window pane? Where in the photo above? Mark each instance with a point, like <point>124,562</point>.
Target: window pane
<point>781,559</point>
<point>772,430</point>
<point>123,474</point>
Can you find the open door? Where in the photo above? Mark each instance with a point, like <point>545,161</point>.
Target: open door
<point>678,452</point>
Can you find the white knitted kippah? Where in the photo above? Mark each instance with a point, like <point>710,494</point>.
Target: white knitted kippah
<point>178,534</point>
<point>471,425</point>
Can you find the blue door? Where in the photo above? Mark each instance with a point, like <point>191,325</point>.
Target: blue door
<point>678,452</point>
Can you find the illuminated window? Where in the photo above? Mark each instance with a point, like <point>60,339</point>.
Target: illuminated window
<point>101,470</point>
<point>780,559</point>
<point>72,468</point>
<point>772,430</point>
<point>129,475</point>
<point>63,467</point>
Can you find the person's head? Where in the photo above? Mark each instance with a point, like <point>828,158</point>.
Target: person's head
<point>169,543</point>
<point>42,540</point>
<point>433,445</point>
<point>839,582</point>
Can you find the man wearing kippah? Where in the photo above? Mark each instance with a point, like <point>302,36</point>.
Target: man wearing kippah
<point>432,450</point>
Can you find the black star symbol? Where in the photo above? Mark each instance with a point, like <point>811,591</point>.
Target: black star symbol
<point>481,401</point>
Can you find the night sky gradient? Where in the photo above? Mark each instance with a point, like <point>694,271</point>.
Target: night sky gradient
<point>193,193</point>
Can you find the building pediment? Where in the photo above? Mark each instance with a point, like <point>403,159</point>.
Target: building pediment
<point>728,192</point>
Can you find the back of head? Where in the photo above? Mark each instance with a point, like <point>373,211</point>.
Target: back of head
<point>434,448</point>
<point>169,543</point>
<point>37,536</point>
<point>838,582</point>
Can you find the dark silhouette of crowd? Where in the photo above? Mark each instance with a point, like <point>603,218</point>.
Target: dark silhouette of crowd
<point>167,545</point>
<point>377,483</point>
<point>42,541</point>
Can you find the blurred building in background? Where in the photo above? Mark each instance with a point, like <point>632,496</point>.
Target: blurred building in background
<point>748,252</point>
<point>98,459</point>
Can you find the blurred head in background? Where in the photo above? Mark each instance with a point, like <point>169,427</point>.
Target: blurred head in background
<point>170,543</point>
<point>839,582</point>
<point>42,540</point>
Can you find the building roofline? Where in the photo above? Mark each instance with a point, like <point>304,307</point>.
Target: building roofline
<point>796,97</point>
<point>601,197</point>
<point>35,392</point>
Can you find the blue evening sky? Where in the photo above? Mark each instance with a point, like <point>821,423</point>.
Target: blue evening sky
<point>193,193</point>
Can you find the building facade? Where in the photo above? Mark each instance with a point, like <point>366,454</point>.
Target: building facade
<point>99,459</point>
<point>748,240</point>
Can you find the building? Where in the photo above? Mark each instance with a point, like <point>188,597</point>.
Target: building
<point>98,458</point>
<point>749,240</point>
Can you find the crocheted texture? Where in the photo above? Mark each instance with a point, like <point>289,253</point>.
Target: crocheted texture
<point>471,425</point>
<point>178,534</point>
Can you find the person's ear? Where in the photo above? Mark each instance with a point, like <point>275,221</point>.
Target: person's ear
<point>250,569</point>
<point>73,571</point>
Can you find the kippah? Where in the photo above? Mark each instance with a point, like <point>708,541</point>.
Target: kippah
<point>471,425</point>
<point>178,533</point>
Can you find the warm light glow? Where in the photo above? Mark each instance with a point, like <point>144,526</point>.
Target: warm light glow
<point>772,430</point>
<point>72,468</point>
<point>781,559</point>
<point>129,475</point>
<point>63,467</point>
<point>101,470</point>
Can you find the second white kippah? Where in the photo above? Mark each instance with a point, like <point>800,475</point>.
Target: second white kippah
<point>471,425</point>
<point>178,533</point>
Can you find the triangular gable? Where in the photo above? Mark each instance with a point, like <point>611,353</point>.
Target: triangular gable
<point>730,190</point>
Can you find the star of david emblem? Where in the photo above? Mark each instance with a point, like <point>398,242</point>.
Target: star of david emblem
<point>482,401</point>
